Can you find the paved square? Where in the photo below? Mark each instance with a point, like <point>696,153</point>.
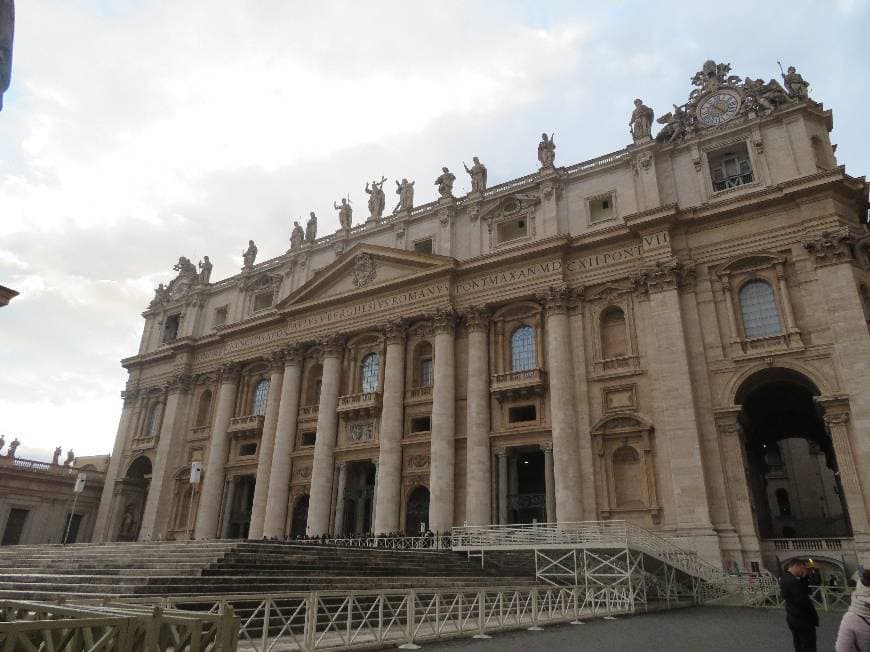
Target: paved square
<point>711,629</point>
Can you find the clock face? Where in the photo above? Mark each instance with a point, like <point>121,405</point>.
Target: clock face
<point>718,108</point>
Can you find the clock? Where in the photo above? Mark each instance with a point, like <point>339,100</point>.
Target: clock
<point>718,108</point>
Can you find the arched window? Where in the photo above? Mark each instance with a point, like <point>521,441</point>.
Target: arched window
<point>370,370</point>
<point>783,503</point>
<point>261,393</point>
<point>203,408</point>
<point>152,422</point>
<point>614,342</point>
<point>523,349</point>
<point>758,307</point>
<point>423,365</point>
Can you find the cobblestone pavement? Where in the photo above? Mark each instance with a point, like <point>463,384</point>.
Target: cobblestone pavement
<point>707,629</point>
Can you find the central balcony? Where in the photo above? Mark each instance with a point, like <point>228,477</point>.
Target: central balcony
<point>421,394</point>
<point>352,406</point>
<point>251,423</point>
<point>519,384</point>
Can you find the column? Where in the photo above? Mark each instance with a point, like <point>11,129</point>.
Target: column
<point>229,495</point>
<point>478,475</point>
<point>339,499</point>
<point>790,325</point>
<point>210,500</point>
<point>736,488</point>
<point>833,256</point>
<point>549,482</point>
<point>160,491</point>
<point>324,446</point>
<point>267,446</point>
<point>674,400</point>
<point>375,496</point>
<point>387,508</point>
<point>837,420</point>
<point>563,415</point>
<point>581,405</point>
<point>443,425</point>
<point>101,527</point>
<point>501,456</point>
<point>285,436</point>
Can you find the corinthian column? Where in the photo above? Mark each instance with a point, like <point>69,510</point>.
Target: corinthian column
<point>267,446</point>
<point>390,436</point>
<point>285,435</point>
<point>208,514</point>
<point>101,527</point>
<point>478,494</point>
<point>160,490</point>
<point>324,444</point>
<point>443,426</point>
<point>566,454</point>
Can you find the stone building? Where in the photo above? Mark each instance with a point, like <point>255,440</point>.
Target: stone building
<point>37,499</point>
<point>622,338</point>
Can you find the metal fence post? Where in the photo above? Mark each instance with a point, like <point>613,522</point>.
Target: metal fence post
<point>481,615</point>
<point>310,621</point>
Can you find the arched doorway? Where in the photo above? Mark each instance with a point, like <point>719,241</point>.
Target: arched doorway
<point>790,461</point>
<point>300,517</point>
<point>132,497</point>
<point>240,503</point>
<point>354,515</point>
<point>417,511</point>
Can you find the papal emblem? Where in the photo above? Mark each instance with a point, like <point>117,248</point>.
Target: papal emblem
<point>363,270</point>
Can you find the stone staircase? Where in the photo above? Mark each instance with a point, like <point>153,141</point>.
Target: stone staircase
<point>232,567</point>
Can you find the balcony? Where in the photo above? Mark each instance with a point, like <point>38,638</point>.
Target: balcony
<point>144,443</point>
<point>199,432</point>
<point>353,406</point>
<point>250,423</point>
<point>809,545</point>
<point>519,384</point>
<point>419,394</point>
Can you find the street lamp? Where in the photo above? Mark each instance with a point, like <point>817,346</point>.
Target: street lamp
<point>195,477</point>
<point>80,487</point>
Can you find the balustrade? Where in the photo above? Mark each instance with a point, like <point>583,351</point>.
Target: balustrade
<point>514,384</point>
<point>249,423</point>
<point>356,405</point>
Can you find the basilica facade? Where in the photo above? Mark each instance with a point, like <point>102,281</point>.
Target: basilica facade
<point>673,334</point>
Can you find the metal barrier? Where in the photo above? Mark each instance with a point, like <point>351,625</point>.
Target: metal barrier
<point>425,542</point>
<point>355,619</point>
<point>27,625</point>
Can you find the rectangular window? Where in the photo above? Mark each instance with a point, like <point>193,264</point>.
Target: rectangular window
<point>601,208</point>
<point>423,246</point>
<point>262,300</point>
<point>730,167</point>
<point>170,328</point>
<point>14,526</point>
<point>421,424</point>
<point>221,315</point>
<point>522,413</point>
<point>512,230</point>
<point>308,438</point>
<point>247,449</point>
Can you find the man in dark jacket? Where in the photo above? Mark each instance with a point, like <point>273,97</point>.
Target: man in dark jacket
<point>800,614</point>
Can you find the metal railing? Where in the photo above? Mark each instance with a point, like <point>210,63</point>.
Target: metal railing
<point>28,625</point>
<point>422,542</point>
<point>367,619</point>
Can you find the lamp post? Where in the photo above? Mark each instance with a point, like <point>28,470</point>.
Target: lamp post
<point>80,487</point>
<point>195,477</point>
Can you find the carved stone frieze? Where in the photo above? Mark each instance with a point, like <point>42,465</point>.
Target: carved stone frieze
<point>829,247</point>
<point>361,431</point>
<point>417,462</point>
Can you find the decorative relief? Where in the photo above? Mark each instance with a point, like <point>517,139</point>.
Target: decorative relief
<point>364,270</point>
<point>362,431</point>
<point>829,247</point>
<point>620,398</point>
<point>417,462</point>
<point>302,472</point>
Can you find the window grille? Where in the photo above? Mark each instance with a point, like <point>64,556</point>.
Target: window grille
<point>425,379</point>
<point>371,365</point>
<point>523,349</point>
<point>261,393</point>
<point>730,171</point>
<point>152,423</point>
<point>758,307</point>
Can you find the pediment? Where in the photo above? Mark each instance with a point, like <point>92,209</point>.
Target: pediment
<point>365,267</point>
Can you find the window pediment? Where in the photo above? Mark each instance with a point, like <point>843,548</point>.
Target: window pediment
<point>749,262</point>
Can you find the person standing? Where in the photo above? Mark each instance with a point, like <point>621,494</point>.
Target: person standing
<point>800,614</point>
<point>854,634</point>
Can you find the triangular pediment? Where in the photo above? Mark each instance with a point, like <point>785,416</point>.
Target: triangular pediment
<point>363,268</point>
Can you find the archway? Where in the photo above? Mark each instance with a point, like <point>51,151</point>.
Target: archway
<point>791,465</point>
<point>417,511</point>
<point>300,517</point>
<point>132,497</point>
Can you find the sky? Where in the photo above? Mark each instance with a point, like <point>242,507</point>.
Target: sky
<point>138,131</point>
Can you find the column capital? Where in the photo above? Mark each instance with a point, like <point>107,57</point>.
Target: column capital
<point>728,420</point>
<point>276,360</point>
<point>547,448</point>
<point>476,318</point>
<point>294,353</point>
<point>332,345</point>
<point>230,372</point>
<point>558,299</point>
<point>829,247</point>
<point>394,331</point>
<point>444,321</point>
<point>670,274</point>
<point>500,451</point>
<point>180,382</point>
<point>835,409</point>
<point>129,396</point>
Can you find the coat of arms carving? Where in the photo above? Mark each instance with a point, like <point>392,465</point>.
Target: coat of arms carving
<point>364,270</point>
